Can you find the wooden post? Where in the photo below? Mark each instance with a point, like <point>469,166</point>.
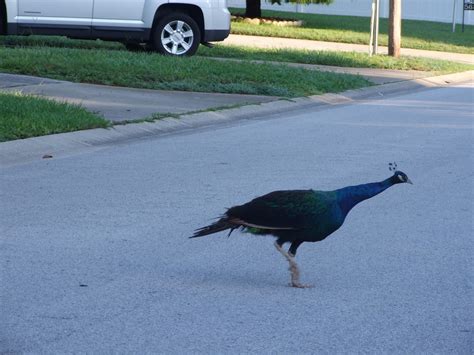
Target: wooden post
<point>395,28</point>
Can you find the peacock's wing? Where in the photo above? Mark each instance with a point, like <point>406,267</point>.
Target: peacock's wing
<point>291,209</point>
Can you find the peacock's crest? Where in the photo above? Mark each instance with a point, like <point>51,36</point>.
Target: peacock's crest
<point>392,167</point>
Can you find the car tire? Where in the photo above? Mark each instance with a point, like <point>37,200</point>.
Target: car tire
<point>176,34</point>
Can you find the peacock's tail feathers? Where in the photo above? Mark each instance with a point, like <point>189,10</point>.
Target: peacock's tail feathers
<point>226,222</point>
<point>218,226</point>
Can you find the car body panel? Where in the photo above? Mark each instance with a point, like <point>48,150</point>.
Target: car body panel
<point>128,20</point>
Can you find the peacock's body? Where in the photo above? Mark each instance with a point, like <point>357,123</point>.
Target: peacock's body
<point>298,216</point>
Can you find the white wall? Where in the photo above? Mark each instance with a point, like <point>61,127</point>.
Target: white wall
<point>429,10</point>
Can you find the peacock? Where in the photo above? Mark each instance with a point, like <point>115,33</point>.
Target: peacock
<point>298,216</point>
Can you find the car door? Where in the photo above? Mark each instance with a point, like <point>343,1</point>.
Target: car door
<point>63,17</point>
<point>113,20</point>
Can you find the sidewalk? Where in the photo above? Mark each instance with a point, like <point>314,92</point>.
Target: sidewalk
<point>120,103</point>
<point>277,42</point>
<point>63,144</point>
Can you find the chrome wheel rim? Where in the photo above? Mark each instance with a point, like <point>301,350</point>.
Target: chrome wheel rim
<point>177,37</point>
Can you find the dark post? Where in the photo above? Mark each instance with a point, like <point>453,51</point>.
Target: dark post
<point>253,8</point>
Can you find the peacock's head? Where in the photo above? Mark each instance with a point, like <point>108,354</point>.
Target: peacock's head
<point>399,177</point>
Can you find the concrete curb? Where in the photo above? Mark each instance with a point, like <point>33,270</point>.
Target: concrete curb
<point>57,145</point>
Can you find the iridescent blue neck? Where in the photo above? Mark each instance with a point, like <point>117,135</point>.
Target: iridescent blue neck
<point>350,196</point>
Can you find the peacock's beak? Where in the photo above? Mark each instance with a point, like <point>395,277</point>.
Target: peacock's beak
<point>409,181</point>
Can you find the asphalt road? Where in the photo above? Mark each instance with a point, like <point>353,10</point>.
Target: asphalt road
<point>95,255</point>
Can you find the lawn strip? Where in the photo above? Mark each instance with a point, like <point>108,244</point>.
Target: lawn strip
<point>24,116</point>
<point>340,59</point>
<point>58,42</point>
<point>332,58</point>
<point>153,71</point>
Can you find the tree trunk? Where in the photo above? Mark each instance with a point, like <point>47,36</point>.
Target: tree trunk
<point>395,28</point>
<point>252,8</point>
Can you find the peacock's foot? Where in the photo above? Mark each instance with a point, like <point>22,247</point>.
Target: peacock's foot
<point>299,285</point>
<point>294,270</point>
<point>295,274</point>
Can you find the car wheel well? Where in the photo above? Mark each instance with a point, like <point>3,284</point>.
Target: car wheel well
<point>176,34</point>
<point>191,10</point>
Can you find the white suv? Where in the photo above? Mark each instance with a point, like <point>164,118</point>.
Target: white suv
<point>172,27</point>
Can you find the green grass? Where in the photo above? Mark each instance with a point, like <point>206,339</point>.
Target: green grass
<point>350,29</point>
<point>58,42</point>
<point>340,59</point>
<point>24,116</point>
<point>153,71</point>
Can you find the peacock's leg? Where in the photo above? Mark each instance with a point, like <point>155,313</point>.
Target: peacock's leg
<point>293,247</point>
<point>294,270</point>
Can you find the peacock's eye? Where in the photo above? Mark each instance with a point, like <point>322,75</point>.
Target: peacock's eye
<point>400,178</point>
